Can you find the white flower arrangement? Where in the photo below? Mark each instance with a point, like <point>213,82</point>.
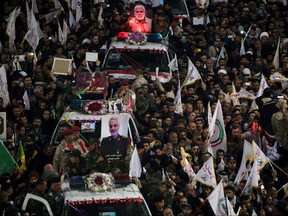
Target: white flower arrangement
<point>137,38</point>
<point>99,182</point>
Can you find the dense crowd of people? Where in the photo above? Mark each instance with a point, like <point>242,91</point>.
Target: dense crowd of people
<point>167,189</point>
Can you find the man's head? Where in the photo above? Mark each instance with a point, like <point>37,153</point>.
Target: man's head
<point>114,126</point>
<point>139,11</point>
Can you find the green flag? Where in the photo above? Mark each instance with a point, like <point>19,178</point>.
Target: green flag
<point>6,160</point>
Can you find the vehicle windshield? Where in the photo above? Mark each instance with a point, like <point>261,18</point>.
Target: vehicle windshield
<point>177,7</point>
<point>127,59</point>
<point>112,209</point>
<point>89,130</point>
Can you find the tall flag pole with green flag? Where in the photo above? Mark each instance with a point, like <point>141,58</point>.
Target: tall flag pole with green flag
<point>217,133</point>
<point>276,56</point>
<point>192,74</point>
<point>6,160</point>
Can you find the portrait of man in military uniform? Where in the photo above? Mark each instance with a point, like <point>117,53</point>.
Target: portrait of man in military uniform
<point>114,146</point>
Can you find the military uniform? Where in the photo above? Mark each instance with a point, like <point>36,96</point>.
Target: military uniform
<point>76,169</point>
<point>279,124</point>
<point>92,161</point>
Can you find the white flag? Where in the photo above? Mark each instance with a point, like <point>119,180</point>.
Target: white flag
<point>78,10</point>
<point>192,74</point>
<point>218,139</point>
<point>206,175</point>
<point>4,93</point>
<point>26,101</point>
<point>60,34</point>
<point>277,77</point>
<point>34,6</point>
<point>73,4</point>
<point>30,16</point>
<point>173,64</point>
<point>252,181</point>
<point>72,21</point>
<point>230,209</point>
<point>209,114</point>
<point>220,56</point>
<point>263,85</point>
<point>243,93</point>
<point>100,19</point>
<point>178,101</point>
<point>10,28</point>
<point>235,101</point>
<point>217,200</point>
<point>33,35</point>
<point>135,164</point>
<point>276,56</point>
<point>245,166</point>
<point>242,48</point>
<point>259,156</point>
<point>186,165</point>
<point>50,16</point>
<point>66,31</point>
<point>57,4</point>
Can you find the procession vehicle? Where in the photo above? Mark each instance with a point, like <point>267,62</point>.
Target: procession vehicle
<point>130,52</point>
<point>98,194</point>
<point>92,117</point>
<point>179,9</point>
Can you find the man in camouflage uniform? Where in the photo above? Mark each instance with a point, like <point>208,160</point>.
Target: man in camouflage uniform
<point>80,142</point>
<point>94,161</point>
<point>61,156</point>
<point>279,122</point>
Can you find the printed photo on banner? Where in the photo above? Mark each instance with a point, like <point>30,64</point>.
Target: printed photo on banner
<point>82,79</point>
<point>115,104</point>
<point>114,144</point>
<point>141,18</point>
<point>121,130</point>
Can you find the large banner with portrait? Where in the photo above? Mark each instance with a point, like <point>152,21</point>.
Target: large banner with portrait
<point>108,129</point>
<point>114,143</point>
<point>141,18</point>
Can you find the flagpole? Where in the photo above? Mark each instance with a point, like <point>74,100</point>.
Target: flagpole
<point>279,168</point>
<point>199,208</point>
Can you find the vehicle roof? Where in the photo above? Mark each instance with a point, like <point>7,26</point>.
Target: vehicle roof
<point>119,192</point>
<point>148,45</point>
<point>74,115</point>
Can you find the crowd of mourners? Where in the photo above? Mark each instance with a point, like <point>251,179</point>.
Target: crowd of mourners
<point>162,131</point>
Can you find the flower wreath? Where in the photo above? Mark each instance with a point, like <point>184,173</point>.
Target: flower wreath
<point>136,38</point>
<point>94,107</point>
<point>99,182</point>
